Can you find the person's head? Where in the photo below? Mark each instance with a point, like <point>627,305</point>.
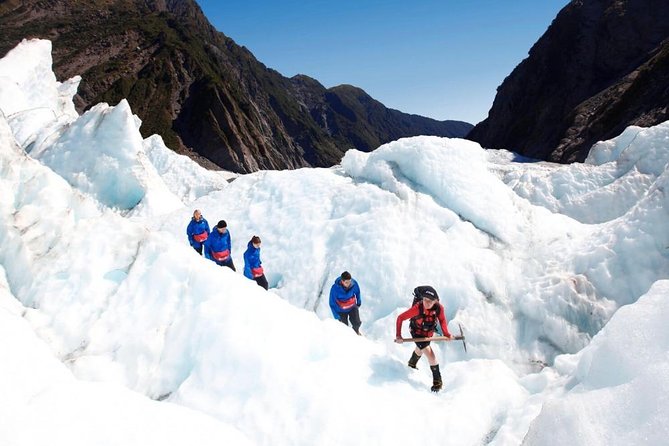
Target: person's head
<point>345,279</point>
<point>222,226</point>
<point>429,298</point>
<point>255,241</point>
<point>197,215</point>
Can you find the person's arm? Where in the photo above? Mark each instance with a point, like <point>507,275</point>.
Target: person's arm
<point>189,232</point>
<point>333,303</point>
<point>207,253</point>
<point>247,264</point>
<point>411,312</point>
<point>358,300</point>
<point>443,322</point>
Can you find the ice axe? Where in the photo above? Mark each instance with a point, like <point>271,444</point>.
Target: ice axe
<point>460,337</point>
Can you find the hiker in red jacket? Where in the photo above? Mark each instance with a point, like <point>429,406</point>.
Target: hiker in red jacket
<point>424,316</point>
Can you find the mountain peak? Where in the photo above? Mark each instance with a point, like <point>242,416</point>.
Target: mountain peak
<point>207,96</point>
<point>601,66</point>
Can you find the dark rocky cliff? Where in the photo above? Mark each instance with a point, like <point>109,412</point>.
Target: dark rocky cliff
<point>207,96</point>
<point>601,66</point>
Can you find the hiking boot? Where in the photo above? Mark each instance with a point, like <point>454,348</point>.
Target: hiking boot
<point>436,378</point>
<point>413,361</point>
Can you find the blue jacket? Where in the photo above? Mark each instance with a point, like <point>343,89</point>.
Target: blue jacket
<point>251,259</point>
<point>194,228</point>
<point>339,296</point>
<point>217,242</point>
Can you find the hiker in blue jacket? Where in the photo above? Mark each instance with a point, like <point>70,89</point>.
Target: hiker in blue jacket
<point>345,300</point>
<point>252,264</point>
<point>197,231</point>
<point>218,247</point>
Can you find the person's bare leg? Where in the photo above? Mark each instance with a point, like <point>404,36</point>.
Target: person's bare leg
<point>431,358</point>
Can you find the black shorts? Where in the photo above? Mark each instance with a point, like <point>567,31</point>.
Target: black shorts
<point>423,344</point>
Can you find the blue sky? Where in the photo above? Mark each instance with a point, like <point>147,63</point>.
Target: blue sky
<point>438,58</point>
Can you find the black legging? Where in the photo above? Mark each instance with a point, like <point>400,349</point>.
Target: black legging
<point>262,281</point>
<point>354,316</point>
<point>229,263</point>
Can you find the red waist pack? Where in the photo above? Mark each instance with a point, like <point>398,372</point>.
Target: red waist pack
<point>221,256</point>
<point>257,272</point>
<point>201,237</point>
<point>348,303</point>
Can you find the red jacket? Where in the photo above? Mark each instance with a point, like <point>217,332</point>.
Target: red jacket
<point>420,314</point>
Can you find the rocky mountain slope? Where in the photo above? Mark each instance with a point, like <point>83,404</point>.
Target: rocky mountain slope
<point>207,96</point>
<point>601,66</point>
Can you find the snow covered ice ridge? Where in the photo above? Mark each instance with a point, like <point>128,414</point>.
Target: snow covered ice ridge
<point>101,295</point>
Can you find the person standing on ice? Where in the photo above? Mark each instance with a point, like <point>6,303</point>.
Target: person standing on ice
<point>424,316</point>
<point>218,247</point>
<point>197,231</point>
<point>252,263</point>
<point>345,300</point>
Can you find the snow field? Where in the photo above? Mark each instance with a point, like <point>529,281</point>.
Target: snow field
<point>533,259</point>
